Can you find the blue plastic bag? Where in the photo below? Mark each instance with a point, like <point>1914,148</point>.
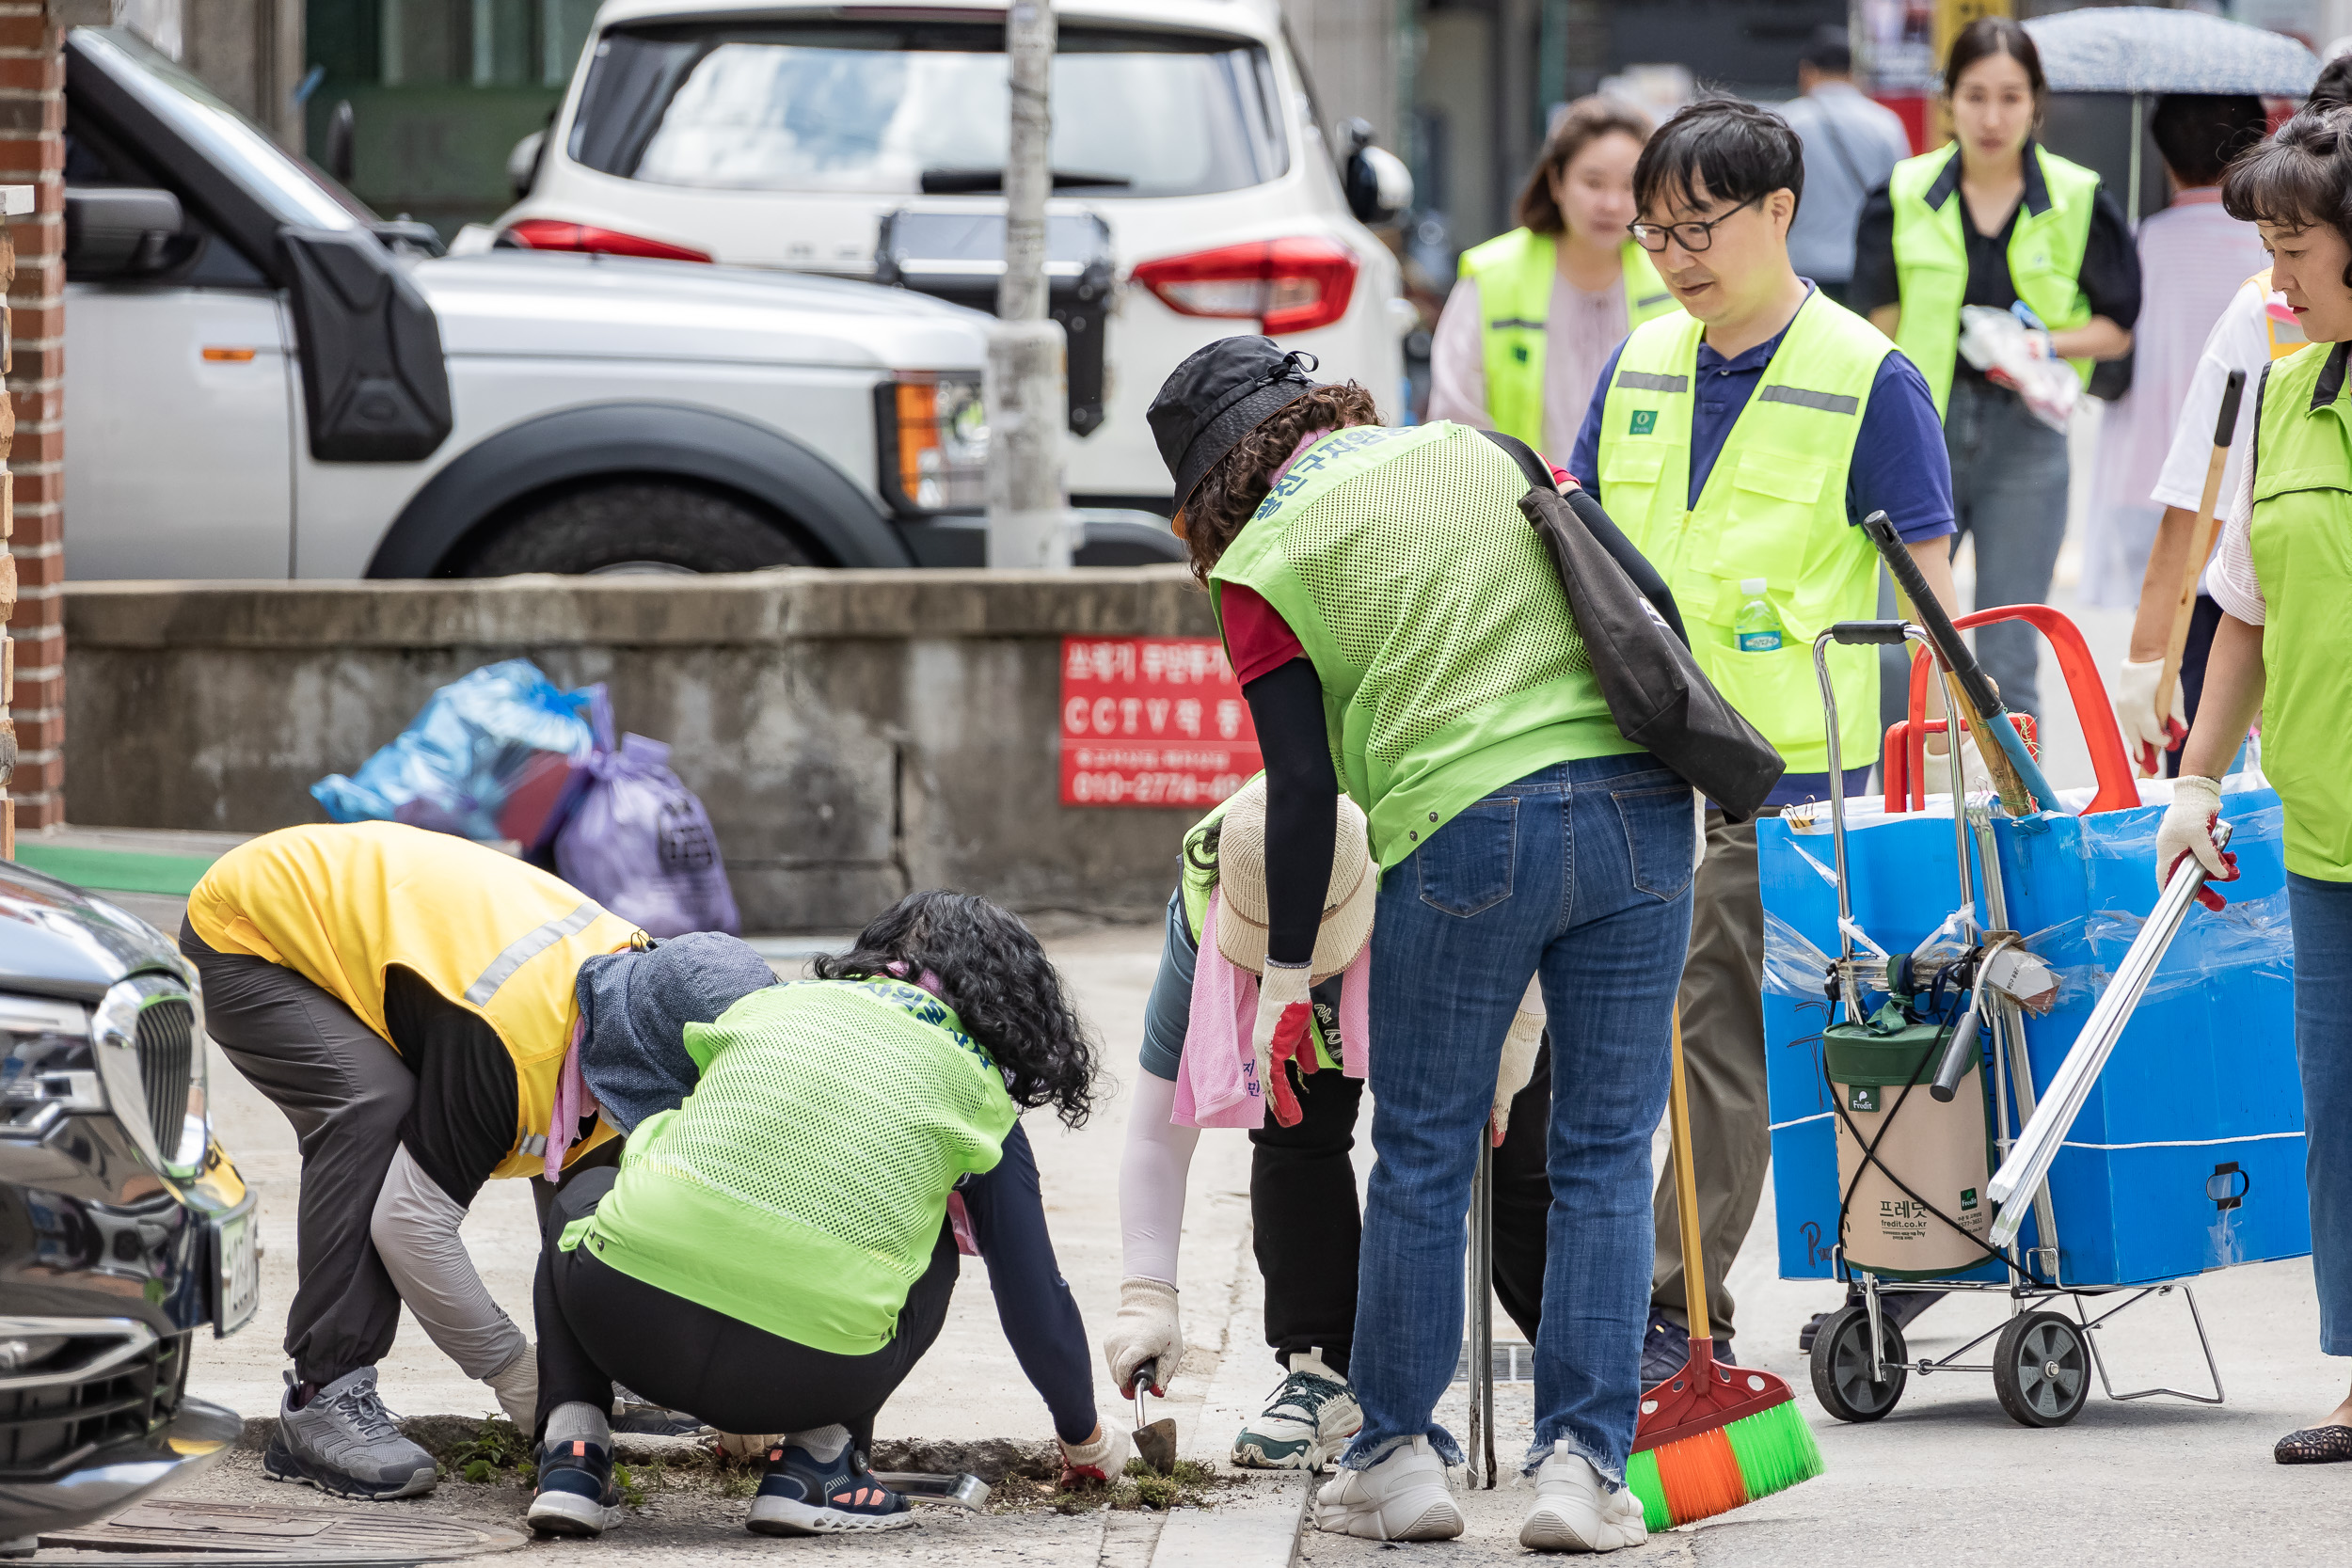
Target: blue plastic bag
<point>640,843</point>
<point>499,753</point>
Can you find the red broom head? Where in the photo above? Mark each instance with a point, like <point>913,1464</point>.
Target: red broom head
<point>1712,1438</point>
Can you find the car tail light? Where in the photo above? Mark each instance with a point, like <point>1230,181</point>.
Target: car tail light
<point>1290,285</point>
<point>555,234</point>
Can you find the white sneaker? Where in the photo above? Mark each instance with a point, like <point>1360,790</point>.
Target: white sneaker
<point>1306,1421</point>
<point>1404,1497</point>
<point>1575,1511</point>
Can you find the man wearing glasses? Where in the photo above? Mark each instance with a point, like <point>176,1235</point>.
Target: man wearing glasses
<point>1737,445</point>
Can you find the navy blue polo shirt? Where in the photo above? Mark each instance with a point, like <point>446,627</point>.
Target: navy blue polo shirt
<point>1899,466</point>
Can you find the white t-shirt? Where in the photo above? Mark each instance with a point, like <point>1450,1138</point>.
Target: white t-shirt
<point>2240,340</point>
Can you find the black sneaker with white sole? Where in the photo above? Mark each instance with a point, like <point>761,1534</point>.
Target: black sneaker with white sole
<point>344,1442</point>
<point>576,1495</point>
<point>802,1495</point>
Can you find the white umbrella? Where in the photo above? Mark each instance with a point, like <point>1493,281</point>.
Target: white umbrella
<point>2143,49</point>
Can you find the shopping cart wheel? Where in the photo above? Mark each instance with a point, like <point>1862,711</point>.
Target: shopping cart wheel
<point>1842,1368</point>
<point>2042,1369</point>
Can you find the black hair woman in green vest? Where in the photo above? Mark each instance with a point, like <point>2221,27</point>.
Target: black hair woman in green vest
<point>1996,219</point>
<point>1527,331</point>
<point>2282,578</point>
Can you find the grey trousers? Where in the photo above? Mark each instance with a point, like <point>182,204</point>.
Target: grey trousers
<point>1723,1057</point>
<point>345,1090</point>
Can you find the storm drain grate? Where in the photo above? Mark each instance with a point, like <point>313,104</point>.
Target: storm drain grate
<point>1514,1362</point>
<point>165,1529</point>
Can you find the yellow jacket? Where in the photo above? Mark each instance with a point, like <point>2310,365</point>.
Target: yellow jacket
<point>340,904</point>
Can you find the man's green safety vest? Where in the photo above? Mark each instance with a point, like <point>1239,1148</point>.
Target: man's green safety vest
<point>1514,273</point>
<point>1774,507</point>
<point>2045,254</point>
<point>1193,886</point>
<point>1435,620</point>
<point>2302,543</point>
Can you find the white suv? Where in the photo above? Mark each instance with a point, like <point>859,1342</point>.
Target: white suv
<point>777,134</point>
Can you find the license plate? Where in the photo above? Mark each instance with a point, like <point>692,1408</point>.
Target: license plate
<point>237,1257</point>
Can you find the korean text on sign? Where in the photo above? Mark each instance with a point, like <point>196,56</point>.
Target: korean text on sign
<point>1151,721</point>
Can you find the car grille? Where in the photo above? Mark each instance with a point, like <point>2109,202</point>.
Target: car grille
<point>166,1043</point>
<point>50,1424</point>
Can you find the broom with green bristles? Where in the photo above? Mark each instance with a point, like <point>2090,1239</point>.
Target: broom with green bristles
<point>1710,1437</point>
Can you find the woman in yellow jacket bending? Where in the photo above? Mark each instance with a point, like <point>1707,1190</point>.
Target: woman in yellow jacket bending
<point>413,1003</point>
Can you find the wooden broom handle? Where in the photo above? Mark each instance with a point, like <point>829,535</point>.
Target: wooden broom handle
<point>1686,1194</point>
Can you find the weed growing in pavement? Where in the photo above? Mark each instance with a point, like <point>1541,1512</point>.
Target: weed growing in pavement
<point>1140,1489</point>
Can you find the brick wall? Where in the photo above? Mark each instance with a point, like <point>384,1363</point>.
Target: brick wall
<point>32,437</point>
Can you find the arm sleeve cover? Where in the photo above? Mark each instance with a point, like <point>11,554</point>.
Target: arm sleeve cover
<point>1033,1301</point>
<point>415,1231</point>
<point>1302,807</point>
<point>1151,1178</point>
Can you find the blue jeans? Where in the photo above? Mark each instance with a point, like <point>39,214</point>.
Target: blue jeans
<point>2322,916</point>
<point>1580,872</point>
<point>2009,487</point>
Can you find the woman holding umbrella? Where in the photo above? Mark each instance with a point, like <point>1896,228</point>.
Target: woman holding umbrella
<point>1998,220</point>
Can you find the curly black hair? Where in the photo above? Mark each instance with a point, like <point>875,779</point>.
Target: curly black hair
<point>995,977</point>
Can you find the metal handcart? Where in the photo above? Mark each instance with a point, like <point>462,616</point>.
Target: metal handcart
<point>2187,1157</point>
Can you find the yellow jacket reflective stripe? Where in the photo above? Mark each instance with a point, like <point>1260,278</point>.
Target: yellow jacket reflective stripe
<point>340,904</point>
<point>1514,274</point>
<point>2045,254</point>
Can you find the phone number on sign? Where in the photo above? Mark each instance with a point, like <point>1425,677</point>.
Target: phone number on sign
<point>1151,789</point>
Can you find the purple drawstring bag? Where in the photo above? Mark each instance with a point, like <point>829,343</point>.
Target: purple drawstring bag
<point>640,843</point>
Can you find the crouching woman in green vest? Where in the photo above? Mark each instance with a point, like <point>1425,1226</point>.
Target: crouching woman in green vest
<point>1400,633</point>
<point>1524,334</point>
<point>1996,219</point>
<point>774,1254</point>
<point>2282,578</point>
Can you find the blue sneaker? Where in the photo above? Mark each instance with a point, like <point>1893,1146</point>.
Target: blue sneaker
<point>802,1495</point>
<point>1666,1349</point>
<point>576,1492</point>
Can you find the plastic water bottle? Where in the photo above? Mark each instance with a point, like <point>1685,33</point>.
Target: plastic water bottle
<point>1759,625</point>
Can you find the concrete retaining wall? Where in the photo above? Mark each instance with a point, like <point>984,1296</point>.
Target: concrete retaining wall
<point>854,735</point>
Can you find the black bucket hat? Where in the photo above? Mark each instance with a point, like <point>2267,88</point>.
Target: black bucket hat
<point>1218,395</point>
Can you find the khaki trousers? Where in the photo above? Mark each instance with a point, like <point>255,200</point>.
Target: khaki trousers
<point>1722,1055</point>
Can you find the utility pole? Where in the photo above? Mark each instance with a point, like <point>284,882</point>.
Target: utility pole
<point>1029,521</point>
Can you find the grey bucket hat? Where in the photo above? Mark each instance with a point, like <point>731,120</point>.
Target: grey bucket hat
<point>637,1004</point>
<point>1219,394</point>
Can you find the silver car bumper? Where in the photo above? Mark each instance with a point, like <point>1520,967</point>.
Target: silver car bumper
<point>113,1478</point>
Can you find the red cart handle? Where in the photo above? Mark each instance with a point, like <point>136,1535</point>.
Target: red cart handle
<point>2108,761</point>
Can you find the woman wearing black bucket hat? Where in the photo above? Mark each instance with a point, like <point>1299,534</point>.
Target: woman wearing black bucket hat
<point>1400,633</point>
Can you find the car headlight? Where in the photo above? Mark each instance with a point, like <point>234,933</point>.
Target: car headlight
<point>934,441</point>
<point>47,1064</point>
<point>148,1041</point>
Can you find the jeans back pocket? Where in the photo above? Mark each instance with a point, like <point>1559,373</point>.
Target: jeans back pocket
<point>1658,824</point>
<point>1466,867</point>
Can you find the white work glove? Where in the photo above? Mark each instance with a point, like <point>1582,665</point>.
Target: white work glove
<point>1102,1458</point>
<point>1145,1333</point>
<point>1975,778</point>
<point>2147,736</point>
<point>1283,1033</point>
<point>1518,1058</point>
<point>516,1384</point>
<point>2188,830</point>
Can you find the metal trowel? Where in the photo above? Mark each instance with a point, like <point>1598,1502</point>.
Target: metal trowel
<point>1155,1444</point>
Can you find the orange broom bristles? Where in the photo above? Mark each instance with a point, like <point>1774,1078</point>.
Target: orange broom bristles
<point>1700,1477</point>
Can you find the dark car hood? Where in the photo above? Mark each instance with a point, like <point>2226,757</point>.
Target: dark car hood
<point>57,941</point>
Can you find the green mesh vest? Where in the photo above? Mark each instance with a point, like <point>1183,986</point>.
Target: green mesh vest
<point>2302,544</point>
<point>1436,621</point>
<point>1514,273</point>
<point>2045,256</point>
<point>802,1186</point>
<point>1774,507</point>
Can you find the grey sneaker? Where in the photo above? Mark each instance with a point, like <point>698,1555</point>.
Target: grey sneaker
<point>344,1442</point>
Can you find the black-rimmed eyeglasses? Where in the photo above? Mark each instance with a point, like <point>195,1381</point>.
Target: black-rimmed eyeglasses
<point>1693,237</point>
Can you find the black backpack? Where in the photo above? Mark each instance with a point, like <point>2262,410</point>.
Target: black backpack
<point>1660,699</point>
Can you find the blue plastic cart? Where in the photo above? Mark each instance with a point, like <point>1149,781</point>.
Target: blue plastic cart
<point>2189,1154</point>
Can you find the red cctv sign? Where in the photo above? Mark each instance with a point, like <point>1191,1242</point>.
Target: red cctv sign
<point>1151,721</point>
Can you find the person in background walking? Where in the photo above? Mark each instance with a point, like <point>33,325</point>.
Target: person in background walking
<point>1737,446</point>
<point>1302,1185</point>
<point>2193,256</point>
<point>1996,220</point>
<point>1539,310</point>
<point>1850,146</point>
<point>2283,647</point>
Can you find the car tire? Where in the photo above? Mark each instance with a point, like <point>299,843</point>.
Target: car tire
<point>634,526</point>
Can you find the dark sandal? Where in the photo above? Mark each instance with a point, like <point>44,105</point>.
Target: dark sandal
<point>2315,1446</point>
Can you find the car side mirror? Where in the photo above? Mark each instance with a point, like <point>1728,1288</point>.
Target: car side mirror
<point>1379,185</point>
<point>522,163</point>
<point>113,231</point>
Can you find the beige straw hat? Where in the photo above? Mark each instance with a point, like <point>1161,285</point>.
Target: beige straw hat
<point>1241,925</point>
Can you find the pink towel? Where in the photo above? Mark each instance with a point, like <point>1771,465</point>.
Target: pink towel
<point>571,1094</point>
<point>1356,1014</point>
<point>1217,1078</point>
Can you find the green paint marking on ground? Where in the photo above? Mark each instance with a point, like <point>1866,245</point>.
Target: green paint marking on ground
<point>115,870</point>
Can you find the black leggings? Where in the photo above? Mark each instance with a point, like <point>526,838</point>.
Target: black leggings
<point>597,1326</point>
<point>1302,1205</point>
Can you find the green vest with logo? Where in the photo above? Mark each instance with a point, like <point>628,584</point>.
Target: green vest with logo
<point>1434,618</point>
<point>2302,544</point>
<point>2045,257</point>
<point>1774,507</point>
<point>1514,273</point>
<point>1199,879</point>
